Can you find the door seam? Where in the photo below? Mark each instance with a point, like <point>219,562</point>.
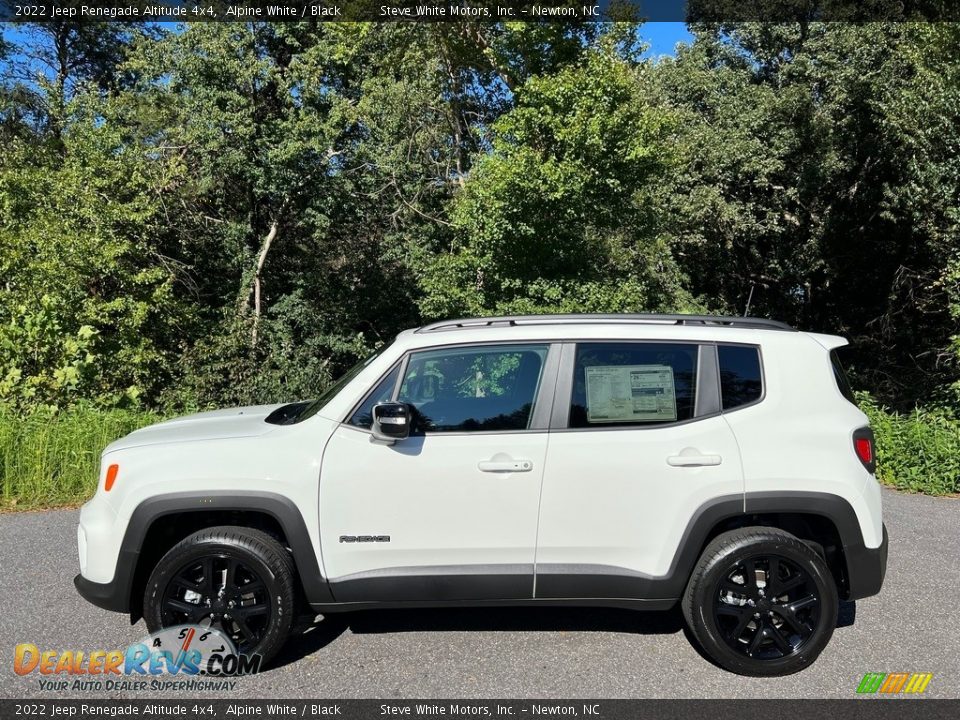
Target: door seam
<point>536,537</point>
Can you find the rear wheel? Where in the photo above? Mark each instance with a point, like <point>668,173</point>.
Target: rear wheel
<point>761,602</point>
<point>235,579</point>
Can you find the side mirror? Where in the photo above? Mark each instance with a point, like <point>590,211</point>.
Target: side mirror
<point>391,421</point>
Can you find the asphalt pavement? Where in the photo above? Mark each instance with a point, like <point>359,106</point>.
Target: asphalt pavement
<point>912,626</point>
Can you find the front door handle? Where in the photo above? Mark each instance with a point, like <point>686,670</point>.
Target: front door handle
<point>691,457</point>
<point>505,466</point>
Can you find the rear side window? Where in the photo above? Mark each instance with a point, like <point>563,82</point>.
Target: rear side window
<point>617,384</point>
<point>840,375</point>
<point>741,380</point>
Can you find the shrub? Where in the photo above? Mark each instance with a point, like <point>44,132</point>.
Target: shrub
<point>52,458</point>
<point>917,451</point>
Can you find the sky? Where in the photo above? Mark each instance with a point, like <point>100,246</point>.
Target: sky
<point>664,36</point>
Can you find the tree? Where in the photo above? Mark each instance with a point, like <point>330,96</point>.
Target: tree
<point>322,159</point>
<point>87,305</point>
<point>52,61</point>
<point>248,207</point>
<point>810,185</point>
<point>556,216</point>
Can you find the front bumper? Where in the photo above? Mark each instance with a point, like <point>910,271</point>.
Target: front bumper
<point>866,568</point>
<point>113,595</point>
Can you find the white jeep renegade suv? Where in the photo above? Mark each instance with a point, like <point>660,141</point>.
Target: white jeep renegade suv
<point>634,461</point>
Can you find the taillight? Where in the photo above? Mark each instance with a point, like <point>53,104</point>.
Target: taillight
<point>111,477</point>
<point>863,446</point>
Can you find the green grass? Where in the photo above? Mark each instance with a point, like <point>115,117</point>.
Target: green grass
<point>917,451</point>
<point>51,459</point>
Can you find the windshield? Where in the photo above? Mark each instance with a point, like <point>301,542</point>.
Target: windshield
<point>300,411</point>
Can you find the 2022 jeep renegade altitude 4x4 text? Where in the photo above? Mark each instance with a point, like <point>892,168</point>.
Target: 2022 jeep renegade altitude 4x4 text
<point>635,461</point>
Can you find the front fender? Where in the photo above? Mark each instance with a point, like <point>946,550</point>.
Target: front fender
<point>116,594</point>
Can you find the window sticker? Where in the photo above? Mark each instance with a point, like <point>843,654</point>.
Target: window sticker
<point>639,393</point>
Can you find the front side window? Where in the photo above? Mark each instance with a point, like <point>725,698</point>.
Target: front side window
<point>473,388</point>
<point>741,380</point>
<point>617,384</point>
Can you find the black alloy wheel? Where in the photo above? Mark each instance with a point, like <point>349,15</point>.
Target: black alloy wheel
<point>766,607</point>
<point>761,601</point>
<point>238,580</point>
<point>222,592</point>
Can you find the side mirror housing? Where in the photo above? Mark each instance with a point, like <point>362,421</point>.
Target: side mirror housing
<point>391,421</point>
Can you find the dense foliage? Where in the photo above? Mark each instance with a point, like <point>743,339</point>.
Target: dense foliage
<point>917,451</point>
<point>53,458</point>
<point>234,212</point>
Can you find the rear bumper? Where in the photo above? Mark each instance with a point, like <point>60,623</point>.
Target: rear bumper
<point>866,568</point>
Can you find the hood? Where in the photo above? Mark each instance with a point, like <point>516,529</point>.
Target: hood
<point>214,425</point>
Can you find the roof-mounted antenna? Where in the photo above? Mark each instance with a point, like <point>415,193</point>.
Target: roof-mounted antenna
<point>746,310</point>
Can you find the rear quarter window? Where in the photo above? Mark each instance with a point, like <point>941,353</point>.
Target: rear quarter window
<point>840,376</point>
<point>741,376</point>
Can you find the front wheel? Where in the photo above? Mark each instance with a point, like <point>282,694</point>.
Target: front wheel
<point>237,580</point>
<point>761,602</point>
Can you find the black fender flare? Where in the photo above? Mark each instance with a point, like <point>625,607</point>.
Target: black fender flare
<point>115,595</point>
<point>865,567</point>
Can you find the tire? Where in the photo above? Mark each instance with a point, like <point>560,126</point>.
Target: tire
<point>262,590</point>
<point>742,625</point>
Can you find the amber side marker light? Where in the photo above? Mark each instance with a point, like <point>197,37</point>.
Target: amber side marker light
<point>111,477</point>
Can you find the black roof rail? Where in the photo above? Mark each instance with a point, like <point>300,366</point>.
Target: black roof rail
<point>612,318</point>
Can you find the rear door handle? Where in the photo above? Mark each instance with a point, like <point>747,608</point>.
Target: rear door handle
<point>691,457</point>
<point>505,466</point>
